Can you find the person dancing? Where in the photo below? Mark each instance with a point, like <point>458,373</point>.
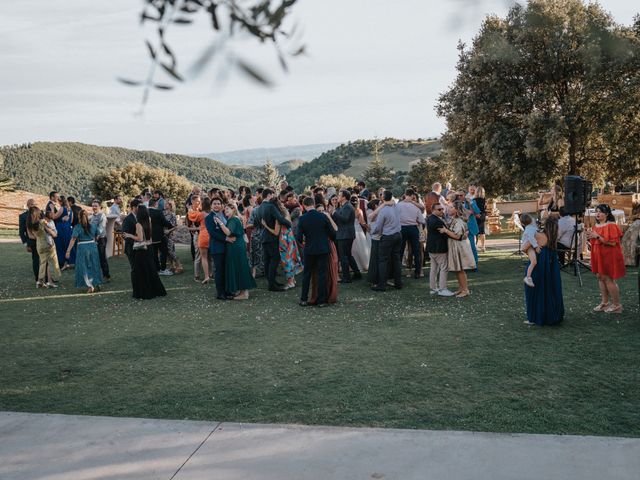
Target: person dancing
<point>145,280</point>
<point>607,260</point>
<point>88,273</point>
<point>197,214</point>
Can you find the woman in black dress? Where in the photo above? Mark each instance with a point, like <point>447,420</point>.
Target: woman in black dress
<point>144,275</point>
<point>481,202</point>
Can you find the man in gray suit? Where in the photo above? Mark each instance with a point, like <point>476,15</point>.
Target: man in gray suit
<point>345,218</point>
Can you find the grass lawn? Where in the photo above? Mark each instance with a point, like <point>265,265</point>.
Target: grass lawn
<point>399,359</point>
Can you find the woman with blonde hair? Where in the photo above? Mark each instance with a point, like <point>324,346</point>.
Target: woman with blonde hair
<point>43,230</point>
<point>459,255</point>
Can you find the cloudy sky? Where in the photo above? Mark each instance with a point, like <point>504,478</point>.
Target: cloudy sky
<point>375,68</point>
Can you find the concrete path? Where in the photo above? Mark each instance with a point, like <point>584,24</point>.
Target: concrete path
<point>61,447</point>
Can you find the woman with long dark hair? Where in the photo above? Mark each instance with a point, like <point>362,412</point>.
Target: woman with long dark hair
<point>545,305</point>
<point>87,271</point>
<point>144,275</point>
<point>197,214</point>
<point>607,260</point>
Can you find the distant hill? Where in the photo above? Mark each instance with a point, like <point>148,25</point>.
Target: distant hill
<point>277,155</point>
<point>69,167</point>
<point>352,158</point>
<point>285,168</point>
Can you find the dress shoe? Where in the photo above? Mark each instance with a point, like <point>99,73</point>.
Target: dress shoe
<point>277,289</point>
<point>322,305</point>
<point>357,276</point>
<point>378,289</point>
<point>303,304</point>
<point>344,281</point>
<point>221,297</point>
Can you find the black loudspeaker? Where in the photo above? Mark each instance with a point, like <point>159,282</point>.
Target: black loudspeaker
<point>574,194</point>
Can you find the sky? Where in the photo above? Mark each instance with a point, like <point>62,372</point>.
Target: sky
<point>374,68</point>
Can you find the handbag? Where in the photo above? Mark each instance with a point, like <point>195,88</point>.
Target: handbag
<point>140,245</point>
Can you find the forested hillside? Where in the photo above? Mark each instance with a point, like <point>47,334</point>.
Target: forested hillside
<point>69,167</point>
<point>352,159</point>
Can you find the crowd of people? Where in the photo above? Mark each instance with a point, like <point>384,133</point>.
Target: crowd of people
<point>330,236</point>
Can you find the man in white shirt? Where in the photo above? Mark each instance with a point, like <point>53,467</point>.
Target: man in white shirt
<point>566,224</point>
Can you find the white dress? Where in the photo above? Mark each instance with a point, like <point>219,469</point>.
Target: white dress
<point>361,249</point>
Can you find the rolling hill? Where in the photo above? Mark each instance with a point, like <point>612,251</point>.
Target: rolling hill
<point>69,167</point>
<point>352,158</point>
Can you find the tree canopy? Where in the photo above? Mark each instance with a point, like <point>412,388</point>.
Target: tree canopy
<point>550,90</point>
<point>136,178</point>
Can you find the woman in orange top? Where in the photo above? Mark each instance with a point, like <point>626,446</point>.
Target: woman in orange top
<point>606,259</point>
<point>197,215</point>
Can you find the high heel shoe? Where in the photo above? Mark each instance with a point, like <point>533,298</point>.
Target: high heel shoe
<point>206,281</point>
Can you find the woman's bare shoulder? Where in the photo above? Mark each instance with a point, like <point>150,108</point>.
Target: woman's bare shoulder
<point>541,238</point>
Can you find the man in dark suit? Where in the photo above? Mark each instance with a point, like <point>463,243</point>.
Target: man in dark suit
<point>345,217</point>
<point>129,226</point>
<point>271,214</point>
<point>75,209</point>
<point>218,245</point>
<point>29,243</point>
<point>158,237</point>
<point>315,231</point>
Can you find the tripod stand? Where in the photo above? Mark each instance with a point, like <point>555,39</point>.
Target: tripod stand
<point>518,224</point>
<point>574,257</point>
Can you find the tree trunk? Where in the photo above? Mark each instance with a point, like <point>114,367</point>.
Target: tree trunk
<point>573,163</point>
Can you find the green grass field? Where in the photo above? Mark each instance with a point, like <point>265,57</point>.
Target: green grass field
<point>398,161</point>
<point>399,359</point>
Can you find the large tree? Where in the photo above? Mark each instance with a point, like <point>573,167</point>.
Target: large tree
<point>136,178</point>
<point>550,90</point>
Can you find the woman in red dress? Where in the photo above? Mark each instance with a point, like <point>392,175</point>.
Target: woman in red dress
<point>606,259</point>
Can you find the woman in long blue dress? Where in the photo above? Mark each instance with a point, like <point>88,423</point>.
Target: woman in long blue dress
<point>545,305</point>
<point>87,271</point>
<point>64,227</point>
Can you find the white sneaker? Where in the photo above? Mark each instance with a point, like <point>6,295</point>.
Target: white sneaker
<point>529,282</point>
<point>434,292</point>
<point>50,285</point>
<point>166,273</point>
<point>446,293</point>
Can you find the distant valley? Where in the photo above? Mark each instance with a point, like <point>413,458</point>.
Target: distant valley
<point>257,157</point>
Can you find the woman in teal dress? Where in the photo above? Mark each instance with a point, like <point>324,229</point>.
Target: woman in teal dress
<point>88,272</point>
<point>238,278</point>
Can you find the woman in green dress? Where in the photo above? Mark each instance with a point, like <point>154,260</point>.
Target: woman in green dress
<point>238,278</point>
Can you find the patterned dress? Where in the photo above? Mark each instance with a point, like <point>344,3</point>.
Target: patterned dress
<point>171,244</point>
<point>290,259</point>
<point>256,255</point>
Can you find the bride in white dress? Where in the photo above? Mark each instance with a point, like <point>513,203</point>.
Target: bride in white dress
<point>361,249</point>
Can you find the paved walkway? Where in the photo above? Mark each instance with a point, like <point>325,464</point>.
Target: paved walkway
<point>61,447</point>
